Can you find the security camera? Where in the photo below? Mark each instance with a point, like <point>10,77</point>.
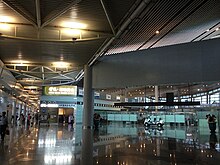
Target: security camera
<point>74,39</point>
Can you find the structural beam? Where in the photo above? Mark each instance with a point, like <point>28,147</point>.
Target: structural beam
<point>61,12</point>
<point>158,104</point>
<point>21,12</point>
<point>108,17</point>
<point>37,3</point>
<point>126,23</point>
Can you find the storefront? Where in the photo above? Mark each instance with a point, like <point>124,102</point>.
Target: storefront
<point>58,104</point>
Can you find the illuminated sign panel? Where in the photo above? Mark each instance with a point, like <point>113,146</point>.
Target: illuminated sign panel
<point>60,90</point>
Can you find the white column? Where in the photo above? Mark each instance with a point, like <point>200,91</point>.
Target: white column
<point>3,105</point>
<point>24,106</point>
<point>19,109</point>
<point>156,96</point>
<point>25,113</point>
<point>14,110</point>
<point>88,99</point>
<point>179,97</point>
<point>207,98</point>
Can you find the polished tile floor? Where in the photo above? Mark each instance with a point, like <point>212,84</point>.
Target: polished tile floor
<point>113,144</point>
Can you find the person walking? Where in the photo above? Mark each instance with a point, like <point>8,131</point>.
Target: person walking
<point>48,119</point>
<point>3,125</point>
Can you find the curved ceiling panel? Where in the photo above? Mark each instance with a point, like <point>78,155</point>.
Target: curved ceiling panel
<point>77,53</point>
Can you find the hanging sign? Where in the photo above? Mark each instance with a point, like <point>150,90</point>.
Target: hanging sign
<point>60,90</point>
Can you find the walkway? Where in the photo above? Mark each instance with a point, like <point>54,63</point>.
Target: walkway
<point>115,144</point>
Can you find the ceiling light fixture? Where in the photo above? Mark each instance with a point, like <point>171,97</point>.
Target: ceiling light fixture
<point>74,39</point>
<point>4,26</point>
<point>71,31</point>
<point>74,25</point>
<point>157,32</point>
<point>61,64</point>
<point>6,19</point>
<point>19,62</point>
<point>31,87</point>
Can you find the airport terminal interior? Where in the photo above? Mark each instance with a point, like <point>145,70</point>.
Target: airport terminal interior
<point>109,82</point>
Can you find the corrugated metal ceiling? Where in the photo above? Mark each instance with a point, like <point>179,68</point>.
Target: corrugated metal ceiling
<point>177,21</point>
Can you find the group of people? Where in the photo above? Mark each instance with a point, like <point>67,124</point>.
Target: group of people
<point>20,120</point>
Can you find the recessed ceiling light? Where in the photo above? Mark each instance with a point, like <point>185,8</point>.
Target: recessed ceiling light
<point>216,29</point>
<point>19,55</point>
<point>207,30</point>
<point>61,58</point>
<point>157,32</point>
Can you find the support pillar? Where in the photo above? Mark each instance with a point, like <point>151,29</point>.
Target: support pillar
<point>14,111</point>
<point>19,109</point>
<point>25,107</point>
<point>88,110</point>
<point>87,147</point>
<point>156,96</point>
<point>25,114</point>
<point>179,97</point>
<point>207,98</point>
<point>9,111</point>
<point>88,99</point>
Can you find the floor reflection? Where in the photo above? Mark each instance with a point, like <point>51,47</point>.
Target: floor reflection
<point>120,144</point>
<point>213,141</point>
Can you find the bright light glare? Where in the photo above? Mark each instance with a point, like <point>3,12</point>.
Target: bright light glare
<point>31,87</point>
<point>19,62</point>
<point>17,87</point>
<point>57,159</point>
<point>6,19</point>
<point>49,105</point>
<point>4,26</point>
<point>74,25</point>
<point>61,64</point>
<point>71,31</point>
